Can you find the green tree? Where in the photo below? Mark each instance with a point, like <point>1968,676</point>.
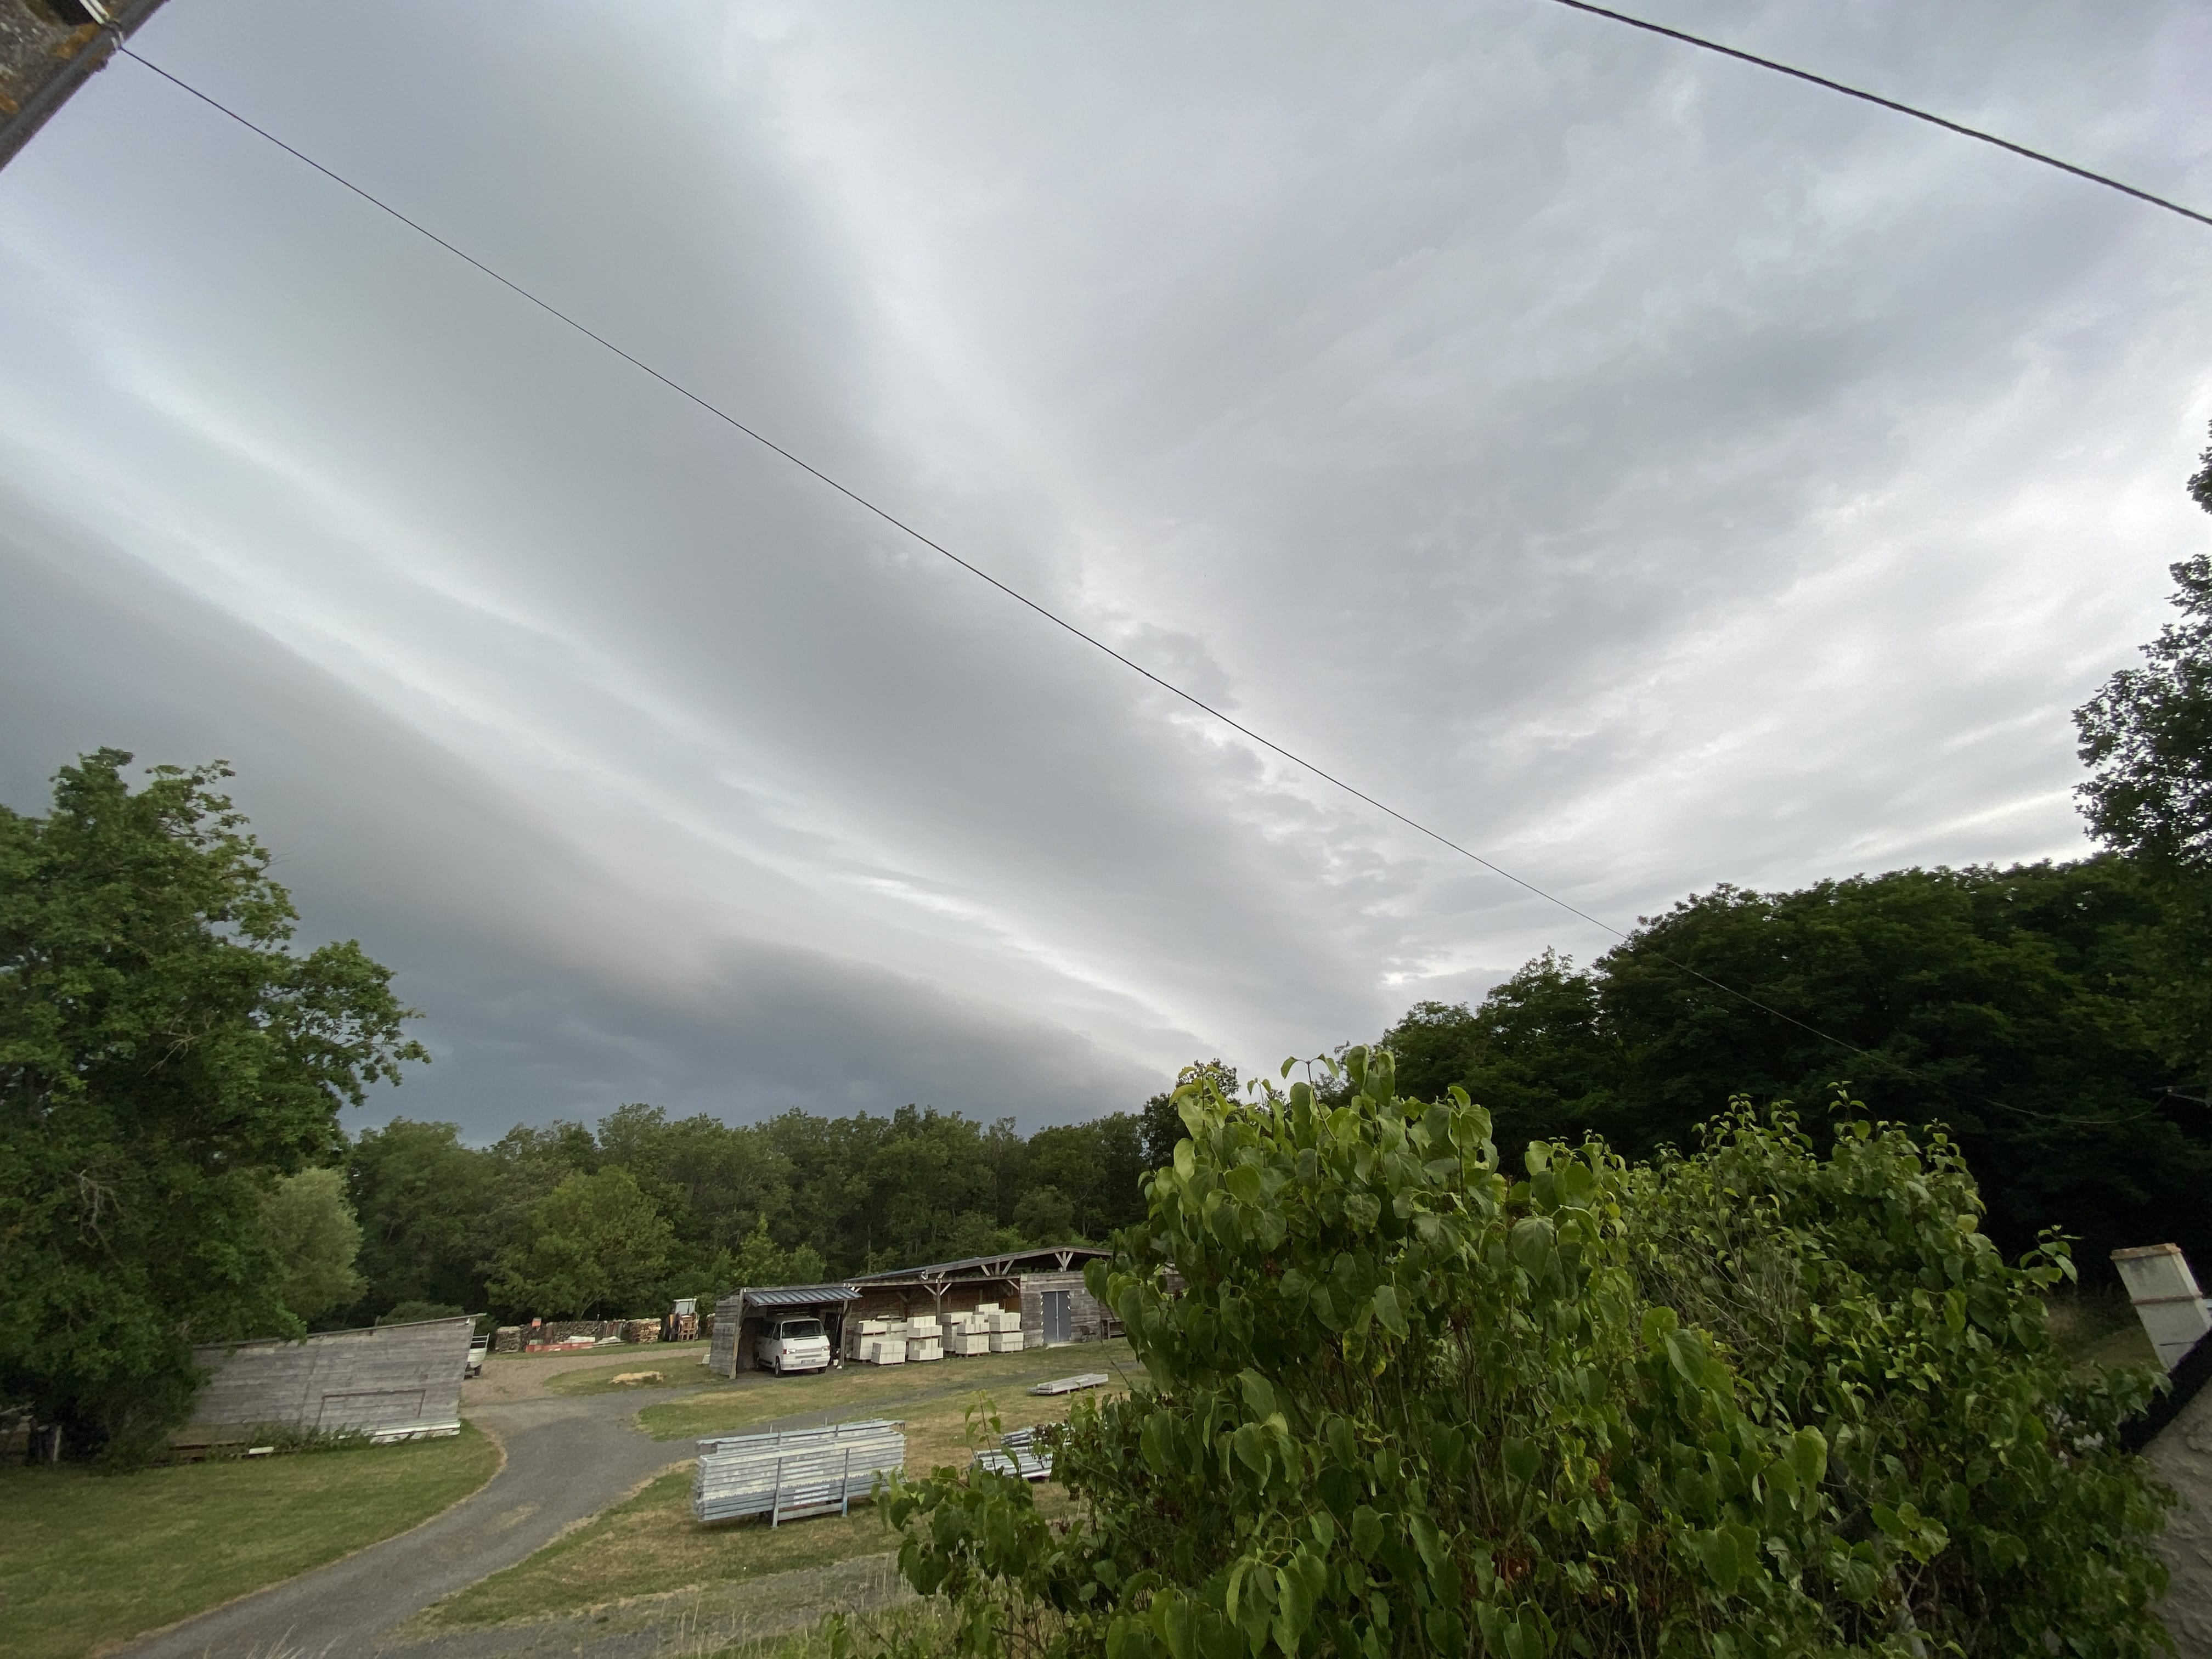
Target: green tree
<point>1045,1215</point>
<point>761,1262</point>
<point>423,1201</point>
<point>714,1181</point>
<point>1537,1052</point>
<point>2147,739</point>
<point>596,1245</point>
<point>165,1055</point>
<point>1399,1400</point>
<point>316,1239</point>
<point>1119,1197</point>
<point>2002,1003</point>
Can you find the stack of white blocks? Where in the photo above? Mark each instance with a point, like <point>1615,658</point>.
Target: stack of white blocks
<point>924,1340</point>
<point>964,1335</point>
<point>893,1341</point>
<point>987,1330</point>
<point>876,1341</point>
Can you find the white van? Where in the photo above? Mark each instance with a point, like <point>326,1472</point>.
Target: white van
<point>794,1345</point>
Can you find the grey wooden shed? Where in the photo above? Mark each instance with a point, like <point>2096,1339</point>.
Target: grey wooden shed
<point>390,1382</point>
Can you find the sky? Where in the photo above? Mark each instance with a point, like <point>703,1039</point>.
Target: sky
<point>1644,469</point>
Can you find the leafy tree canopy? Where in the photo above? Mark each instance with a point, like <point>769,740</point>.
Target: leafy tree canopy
<point>2006,1003</point>
<point>316,1238</point>
<point>2147,739</point>
<point>1779,1395</point>
<point>165,1055</point>
<point>596,1245</point>
<point>793,1200</point>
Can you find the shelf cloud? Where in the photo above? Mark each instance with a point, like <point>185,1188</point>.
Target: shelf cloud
<point>1647,471</point>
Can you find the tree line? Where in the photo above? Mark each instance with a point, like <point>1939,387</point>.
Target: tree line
<point>616,1218</point>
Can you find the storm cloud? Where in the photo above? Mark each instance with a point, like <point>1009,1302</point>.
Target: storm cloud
<point>1645,470</point>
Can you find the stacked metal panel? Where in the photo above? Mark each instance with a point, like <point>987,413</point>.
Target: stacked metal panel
<point>1072,1384</point>
<point>797,1473</point>
<point>1019,1455</point>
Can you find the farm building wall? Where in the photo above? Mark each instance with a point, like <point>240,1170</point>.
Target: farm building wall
<point>1087,1319</point>
<point>2181,1454</point>
<point>395,1379</point>
<point>722,1345</point>
<point>905,1300</point>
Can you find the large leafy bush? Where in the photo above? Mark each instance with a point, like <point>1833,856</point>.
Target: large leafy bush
<point>1754,1400</point>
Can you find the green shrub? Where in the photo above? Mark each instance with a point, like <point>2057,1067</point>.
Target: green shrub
<point>1752,1400</point>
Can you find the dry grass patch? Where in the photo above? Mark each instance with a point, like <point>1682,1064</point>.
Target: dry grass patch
<point>867,1633</point>
<point>87,1558</point>
<point>651,1546</point>
<point>2098,1328</point>
<point>678,1366</point>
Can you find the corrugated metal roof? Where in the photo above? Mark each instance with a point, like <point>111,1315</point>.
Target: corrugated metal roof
<point>1005,1265</point>
<point>801,1296</point>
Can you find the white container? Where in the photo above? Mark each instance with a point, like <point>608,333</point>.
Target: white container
<point>2174,1314</point>
<point>1005,1341</point>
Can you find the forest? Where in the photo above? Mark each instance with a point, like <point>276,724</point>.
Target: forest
<point>578,1221</point>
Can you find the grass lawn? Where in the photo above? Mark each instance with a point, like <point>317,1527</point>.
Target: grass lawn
<point>676,1362</point>
<point>87,1557</point>
<point>2098,1328</point>
<point>863,1390</point>
<point>651,1545</point>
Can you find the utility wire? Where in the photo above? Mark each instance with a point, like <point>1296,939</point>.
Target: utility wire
<point>1700,42</point>
<point>1019,597</point>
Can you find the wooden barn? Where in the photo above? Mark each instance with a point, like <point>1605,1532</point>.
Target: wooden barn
<point>1046,1285</point>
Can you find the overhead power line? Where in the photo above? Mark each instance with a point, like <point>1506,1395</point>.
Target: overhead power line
<point>1703,45</point>
<point>1015,594</point>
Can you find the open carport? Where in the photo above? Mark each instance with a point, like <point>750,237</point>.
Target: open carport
<point>743,1315</point>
